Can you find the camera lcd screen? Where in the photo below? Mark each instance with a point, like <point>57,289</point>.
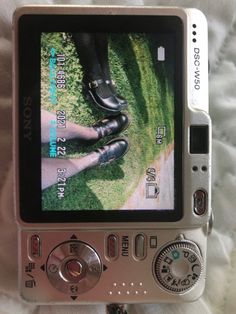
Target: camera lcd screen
<point>109,121</point>
<point>77,171</point>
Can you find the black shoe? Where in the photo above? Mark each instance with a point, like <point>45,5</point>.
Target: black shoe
<point>111,125</point>
<point>121,100</point>
<point>102,96</point>
<point>113,150</point>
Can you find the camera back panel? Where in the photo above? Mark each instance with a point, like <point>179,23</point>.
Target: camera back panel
<point>142,247</point>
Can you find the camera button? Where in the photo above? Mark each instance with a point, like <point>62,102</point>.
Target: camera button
<point>178,266</point>
<point>200,202</point>
<point>73,268</point>
<point>140,246</point>
<point>112,246</point>
<point>35,246</point>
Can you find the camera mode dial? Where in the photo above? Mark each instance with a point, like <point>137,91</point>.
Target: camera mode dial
<point>178,266</point>
<point>73,267</point>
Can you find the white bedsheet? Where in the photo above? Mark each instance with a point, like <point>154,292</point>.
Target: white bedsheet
<point>220,293</point>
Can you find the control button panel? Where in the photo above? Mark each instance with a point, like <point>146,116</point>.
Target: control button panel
<point>178,266</point>
<point>73,267</point>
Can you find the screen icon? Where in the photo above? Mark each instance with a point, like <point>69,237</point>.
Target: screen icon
<point>152,190</point>
<point>161,53</point>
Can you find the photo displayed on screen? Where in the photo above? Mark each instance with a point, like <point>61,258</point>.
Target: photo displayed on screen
<point>107,121</point>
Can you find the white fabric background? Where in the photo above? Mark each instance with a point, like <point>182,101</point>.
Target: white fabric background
<point>219,296</point>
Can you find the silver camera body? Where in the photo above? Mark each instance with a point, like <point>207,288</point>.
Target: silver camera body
<point>126,261</point>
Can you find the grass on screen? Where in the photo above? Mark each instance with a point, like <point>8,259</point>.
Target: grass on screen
<point>150,97</point>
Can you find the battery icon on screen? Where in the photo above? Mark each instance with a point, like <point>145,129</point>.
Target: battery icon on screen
<point>161,53</point>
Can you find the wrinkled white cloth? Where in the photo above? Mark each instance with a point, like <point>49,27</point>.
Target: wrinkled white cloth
<point>219,296</point>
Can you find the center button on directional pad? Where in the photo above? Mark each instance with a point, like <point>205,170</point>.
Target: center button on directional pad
<point>73,269</point>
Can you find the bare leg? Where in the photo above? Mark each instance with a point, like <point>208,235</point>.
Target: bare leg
<point>54,168</point>
<point>71,131</point>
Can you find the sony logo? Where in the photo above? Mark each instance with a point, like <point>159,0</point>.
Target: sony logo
<point>27,114</point>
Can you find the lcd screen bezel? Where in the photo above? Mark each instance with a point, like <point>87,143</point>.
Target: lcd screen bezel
<point>30,28</point>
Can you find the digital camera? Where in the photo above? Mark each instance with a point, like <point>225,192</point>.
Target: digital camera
<point>112,153</point>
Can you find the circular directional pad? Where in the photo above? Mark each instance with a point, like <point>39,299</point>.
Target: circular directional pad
<point>73,267</point>
<point>178,266</point>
